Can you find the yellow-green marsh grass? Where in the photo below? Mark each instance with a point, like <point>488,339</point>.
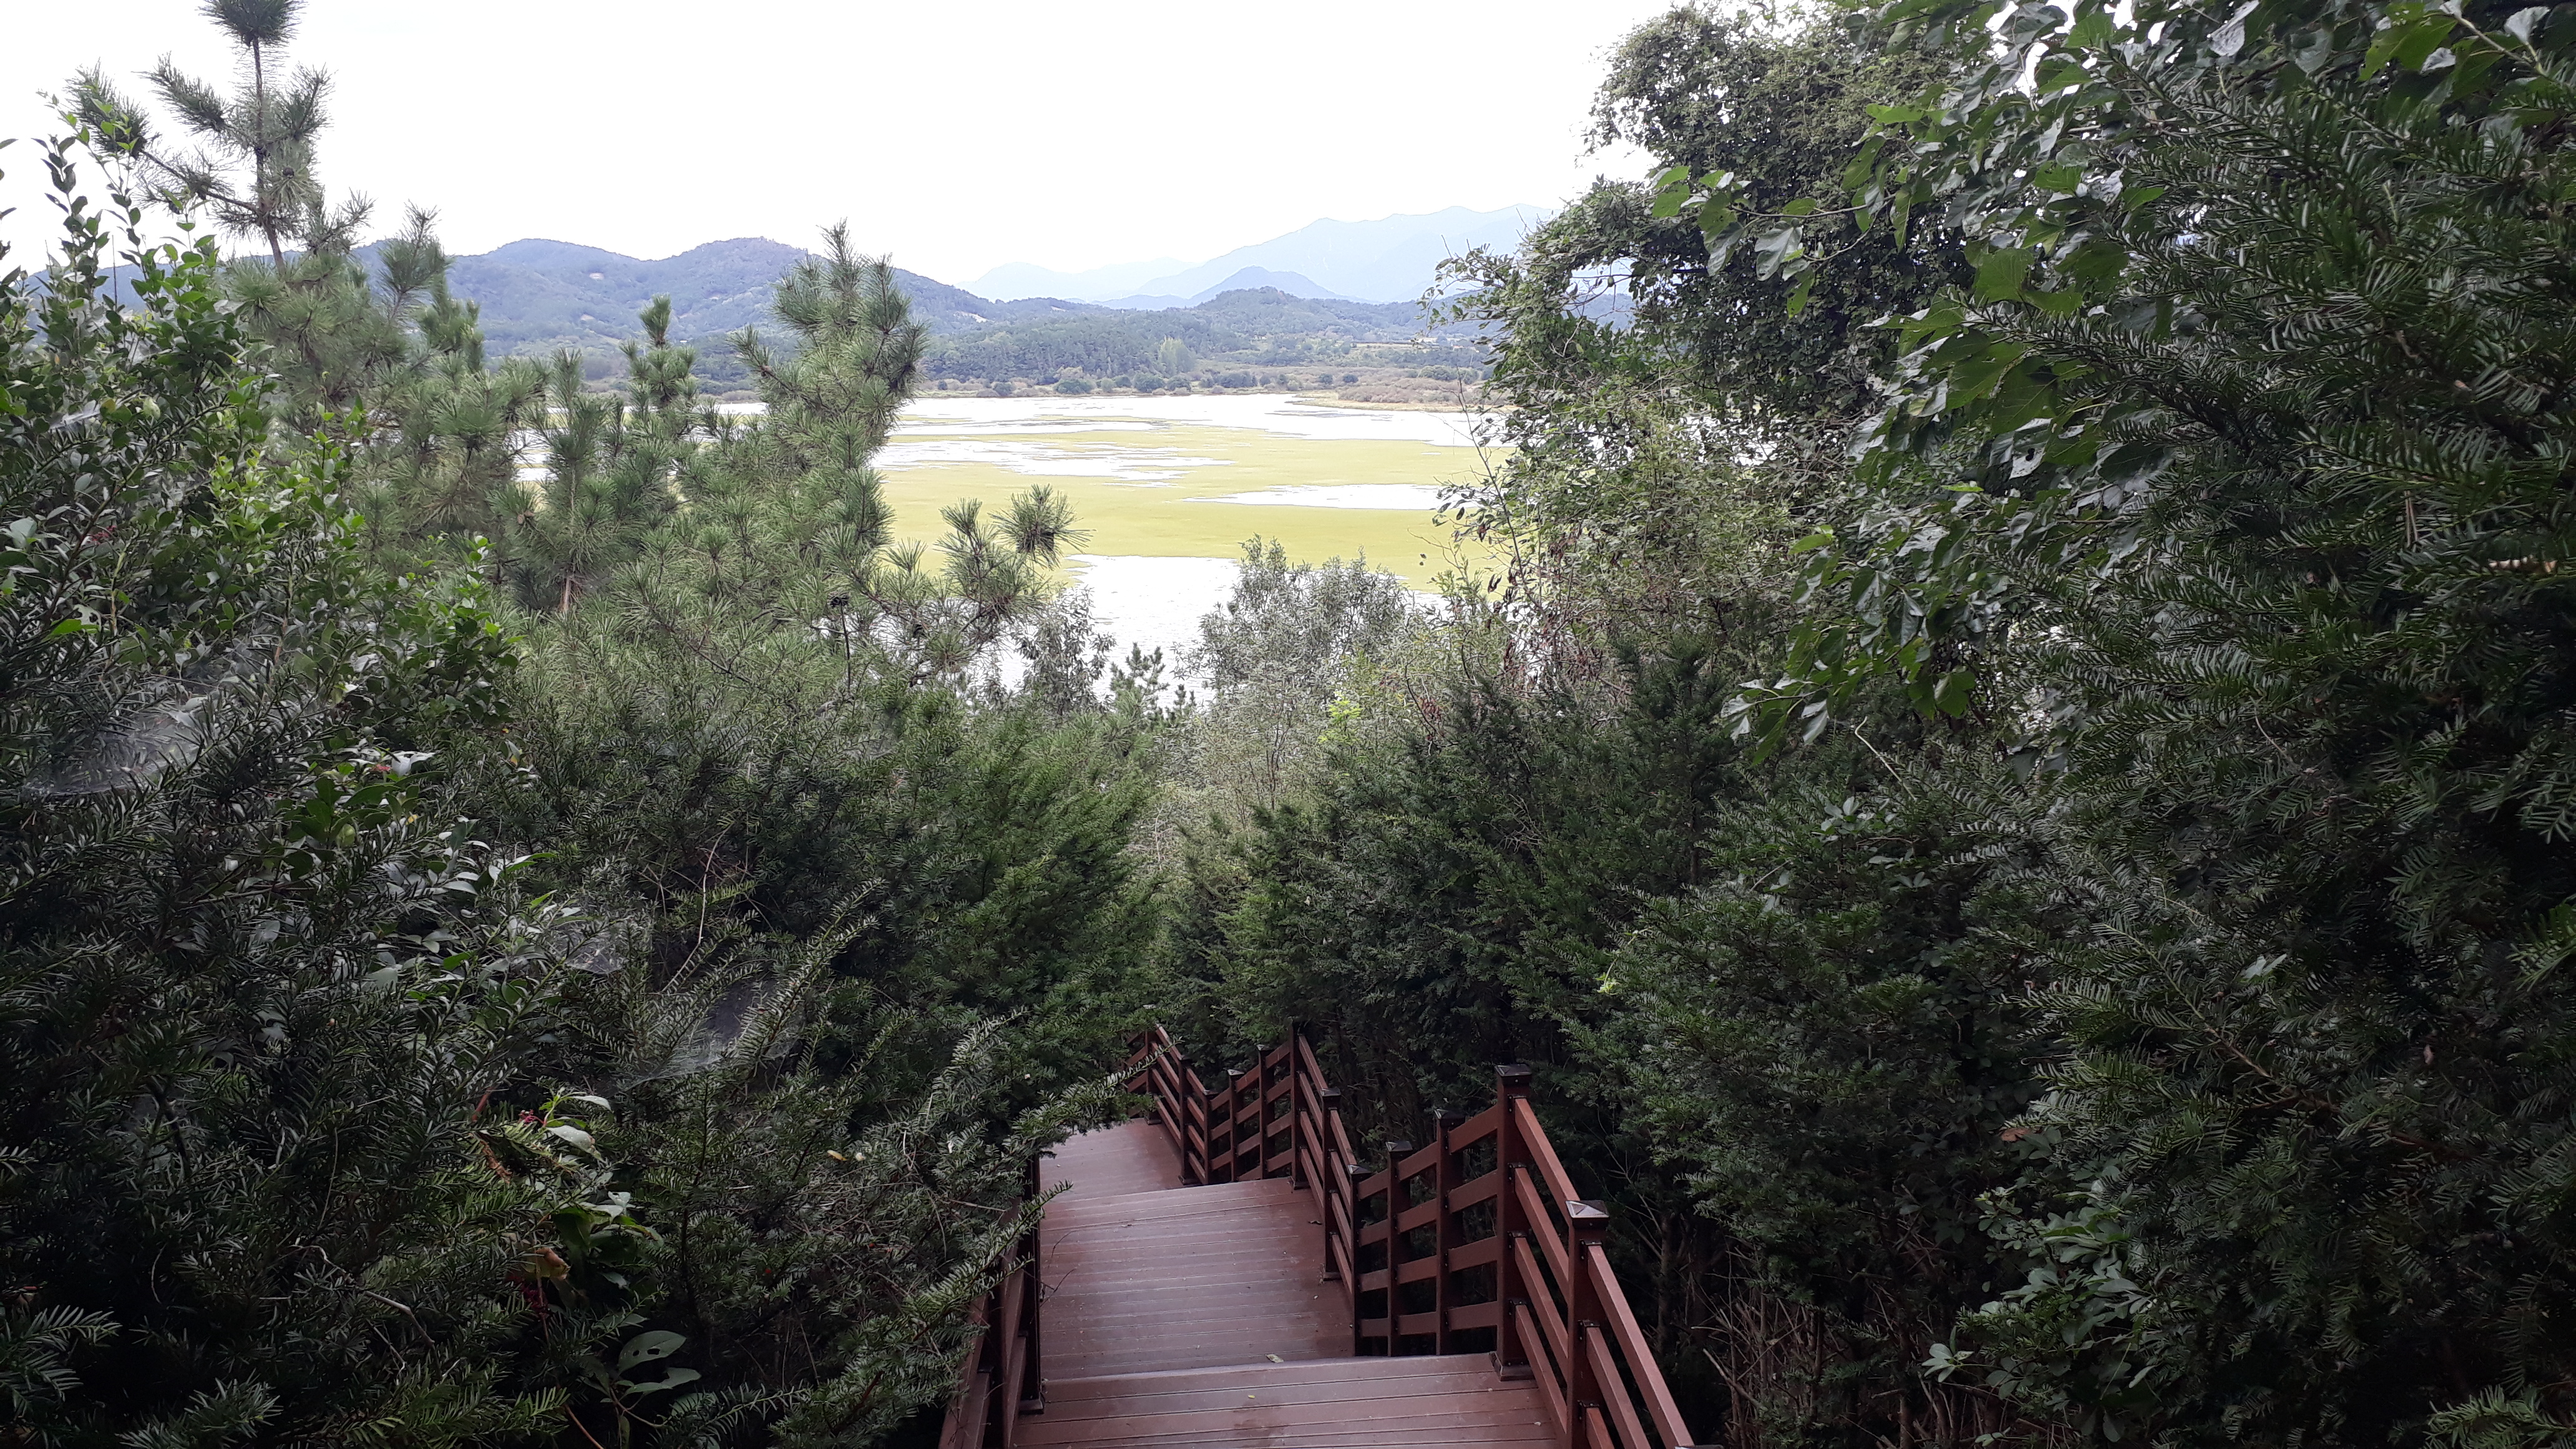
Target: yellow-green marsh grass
<point>1152,489</point>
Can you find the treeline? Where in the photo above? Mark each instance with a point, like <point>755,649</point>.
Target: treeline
<point>2016,780</point>
<point>1259,327</point>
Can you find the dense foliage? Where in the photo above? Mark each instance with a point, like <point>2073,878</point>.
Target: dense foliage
<point>559,963</point>
<point>2119,993</point>
<point>2015,784</point>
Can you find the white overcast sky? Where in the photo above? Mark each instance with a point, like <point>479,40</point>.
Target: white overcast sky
<point>955,136</point>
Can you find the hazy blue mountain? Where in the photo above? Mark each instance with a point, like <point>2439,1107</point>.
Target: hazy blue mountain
<point>1248,279</point>
<point>1025,279</point>
<point>1391,259</point>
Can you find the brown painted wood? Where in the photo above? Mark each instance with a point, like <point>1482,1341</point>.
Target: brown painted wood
<point>1204,1276</point>
<point>1632,1342</point>
<point>1186,1315</point>
<point>1357,1403</point>
<point>1131,1157</point>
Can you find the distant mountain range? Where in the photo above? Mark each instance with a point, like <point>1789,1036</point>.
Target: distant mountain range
<point>539,295</point>
<point>1391,259</point>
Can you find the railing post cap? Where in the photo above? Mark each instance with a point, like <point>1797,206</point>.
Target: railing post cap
<point>1356,1171</point>
<point>1588,1209</point>
<point>1513,1074</point>
<point>1398,1147</point>
<point>1330,1094</point>
<point>1447,1114</point>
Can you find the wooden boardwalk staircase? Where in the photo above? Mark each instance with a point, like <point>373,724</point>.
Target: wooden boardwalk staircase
<point>1225,1272</point>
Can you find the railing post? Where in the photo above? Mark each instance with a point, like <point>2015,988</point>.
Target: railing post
<point>1511,1084</point>
<point>1233,1125</point>
<point>1443,1232</point>
<point>1331,1181</point>
<point>1297,1143</point>
<point>1356,1173</point>
<point>1032,1379</point>
<point>1397,1149</point>
<point>1206,1100</point>
<point>1588,1224</point>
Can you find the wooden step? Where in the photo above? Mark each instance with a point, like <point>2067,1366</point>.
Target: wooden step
<point>1127,1158</point>
<point>1194,1277</point>
<point>1181,1202</point>
<point>1341,1403</point>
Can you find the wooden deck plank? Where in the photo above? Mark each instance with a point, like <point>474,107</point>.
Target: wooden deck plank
<point>1199,1318</point>
<point>1395,1394</point>
<point>1319,1371</point>
<point>1131,1157</point>
<point>1446,1422</point>
<point>1198,1277</point>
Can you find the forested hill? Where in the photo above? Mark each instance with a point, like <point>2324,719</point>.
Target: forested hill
<point>540,295</point>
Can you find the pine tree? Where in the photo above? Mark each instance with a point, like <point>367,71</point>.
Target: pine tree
<point>268,1015</point>
<point>613,469</point>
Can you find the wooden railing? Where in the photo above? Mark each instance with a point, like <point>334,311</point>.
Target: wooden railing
<point>1474,1242</point>
<point>998,1380</point>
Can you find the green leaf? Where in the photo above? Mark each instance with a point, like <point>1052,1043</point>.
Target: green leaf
<point>1805,289</point>
<point>1803,206</point>
<point>2096,263</point>
<point>2057,74</point>
<point>2000,273</point>
<point>671,1380</point>
<point>646,1347</point>
<point>2064,302</point>
<point>1974,379</point>
<point>1776,249</point>
<point>2407,42</point>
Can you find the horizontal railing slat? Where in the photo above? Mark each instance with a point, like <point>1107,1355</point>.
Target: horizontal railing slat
<point>1549,1388</point>
<point>1420,1161</point>
<point>1542,1154</point>
<point>1476,1129</point>
<point>1476,1315</point>
<point>1535,1209</point>
<point>1614,1390</point>
<point>1632,1342</point>
<point>1476,1254</point>
<point>1540,1303</point>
